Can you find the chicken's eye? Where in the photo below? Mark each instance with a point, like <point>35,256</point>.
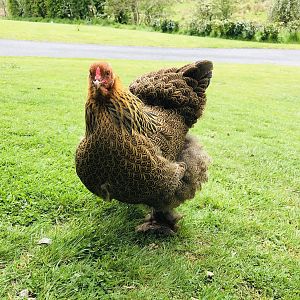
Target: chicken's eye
<point>107,73</point>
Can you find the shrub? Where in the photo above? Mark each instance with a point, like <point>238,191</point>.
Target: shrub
<point>149,11</point>
<point>226,28</point>
<point>155,24</point>
<point>208,10</point>
<point>244,30</point>
<point>71,9</point>
<point>169,26</point>
<point>204,10</point>
<point>291,32</point>
<point>249,31</point>
<point>223,9</point>
<point>37,9</point>
<point>293,26</point>
<point>200,28</point>
<point>14,8</point>
<point>269,32</point>
<point>217,28</point>
<point>165,25</point>
<point>285,11</point>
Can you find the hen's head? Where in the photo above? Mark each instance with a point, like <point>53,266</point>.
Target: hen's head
<point>101,78</point>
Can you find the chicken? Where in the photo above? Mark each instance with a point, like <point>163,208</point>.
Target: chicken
<point>137,148</point>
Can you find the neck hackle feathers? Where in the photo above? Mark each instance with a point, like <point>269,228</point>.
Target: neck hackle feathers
<point>125,110</point>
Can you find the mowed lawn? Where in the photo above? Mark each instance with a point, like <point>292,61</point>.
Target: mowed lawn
<point>243,226</point>
<point>105,35</point>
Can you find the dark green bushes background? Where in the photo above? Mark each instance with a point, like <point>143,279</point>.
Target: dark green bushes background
<point>246,30</point>
<point>72,9</point>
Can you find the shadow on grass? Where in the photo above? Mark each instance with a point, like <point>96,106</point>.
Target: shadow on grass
<point>110,229</point>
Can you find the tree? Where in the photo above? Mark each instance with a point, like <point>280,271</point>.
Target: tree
<point>38,8</point>
<point>154,9</point>
<point>3,7</point>
<point>136,11</point>
<point>223,8</point>
<point>120,10</point>
<point>214,9</point>
<point>204,11</point>
<point>285,11</point>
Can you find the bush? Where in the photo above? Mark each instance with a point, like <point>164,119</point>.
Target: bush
<point>205,10</point>
<point>223,9</point>
<point>226,28</point>
<point>165,25</point>
<point>37,8</point>
<point>269,32</point>
<point>240,30</point>
<point>208,10</point>
<point>71,9</point>
<point>200,28</point>
<point>250,29</point>
<point>149,11</point>
<point>169,26</point>
<point>291,32</point>
<point>285,11</point>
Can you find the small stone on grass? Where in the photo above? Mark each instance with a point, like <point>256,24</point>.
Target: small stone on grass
<point>44,241</point>
<point>27,295</point>
<point>209,274</point>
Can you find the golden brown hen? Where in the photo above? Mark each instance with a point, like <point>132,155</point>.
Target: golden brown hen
<point>136,148</point>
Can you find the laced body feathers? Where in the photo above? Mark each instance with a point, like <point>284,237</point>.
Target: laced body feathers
<point>136,148</point>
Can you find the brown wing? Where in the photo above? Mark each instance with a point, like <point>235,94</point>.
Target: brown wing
<point>182,89</point>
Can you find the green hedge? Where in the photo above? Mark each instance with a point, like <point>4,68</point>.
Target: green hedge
<point>165,25</point>
<point>246,30</point>
<point>71,9</point>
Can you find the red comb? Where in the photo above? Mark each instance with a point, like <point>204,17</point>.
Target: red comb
<point>98,75</point>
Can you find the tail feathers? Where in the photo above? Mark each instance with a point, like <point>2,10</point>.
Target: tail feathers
<point>181,89</point>
<point>198,70</point>
<point>197,162</point>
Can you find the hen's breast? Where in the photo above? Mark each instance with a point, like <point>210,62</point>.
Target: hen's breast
<point>132,167</point>
<point>96,158</point>
<point>124,164</point>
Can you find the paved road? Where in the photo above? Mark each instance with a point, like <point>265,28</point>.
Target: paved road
<point>247,56</point>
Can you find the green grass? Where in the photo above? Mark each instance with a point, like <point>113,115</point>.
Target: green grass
<point>243,226</point>
<point>105,35</point>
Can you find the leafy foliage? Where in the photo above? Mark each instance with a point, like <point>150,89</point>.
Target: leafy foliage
<point>223,9</point>
<point>246,30</point>
<point>285,11</point>
<point>119,10</point>
<point>208,10</point>
<point>165,25</point>
<point>212,18</point>
<point>71,9</point>
<point>14,8</point>
<point>153,10</point>
<point>136,11</point>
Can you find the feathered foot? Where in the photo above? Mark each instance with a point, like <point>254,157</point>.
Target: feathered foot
<point>160,222</point>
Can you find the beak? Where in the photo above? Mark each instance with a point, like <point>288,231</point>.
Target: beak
<point>97,83</point>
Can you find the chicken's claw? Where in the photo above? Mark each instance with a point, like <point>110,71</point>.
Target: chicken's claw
<point>160,223</point>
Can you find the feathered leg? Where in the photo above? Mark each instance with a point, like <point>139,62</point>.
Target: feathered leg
<point>161,222</point>
<point>196,162</point>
